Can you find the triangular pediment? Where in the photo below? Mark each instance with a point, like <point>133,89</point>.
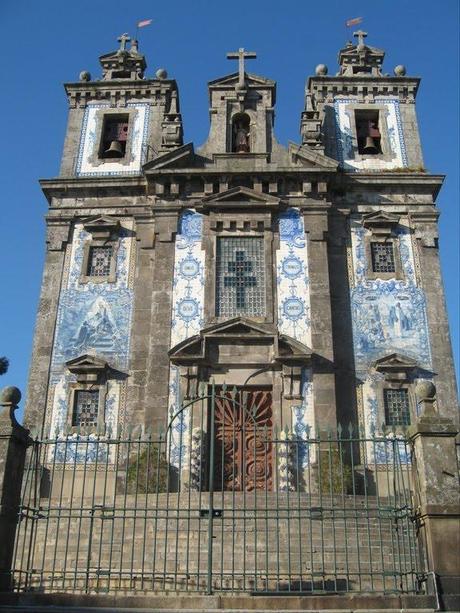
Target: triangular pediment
<point>240,196</point>
<point>231,80</point>
<point>309,157</point>
<point>380,218</point>
<point>394,362</point>
<point>102,222</point>
<point>182,157</point>
<point>86,362</point>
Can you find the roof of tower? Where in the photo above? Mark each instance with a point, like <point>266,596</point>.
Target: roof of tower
<point>123,63</point>
<point>360,59</point>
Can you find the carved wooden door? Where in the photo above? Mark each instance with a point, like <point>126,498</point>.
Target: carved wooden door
<point>244,449</point>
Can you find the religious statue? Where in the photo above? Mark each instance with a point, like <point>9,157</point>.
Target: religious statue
<point>241,137</point>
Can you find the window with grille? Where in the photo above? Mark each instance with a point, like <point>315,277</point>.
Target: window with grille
<point>86,408</point>
<point>383,257</point>
<point>240,277</point>
<point>99,261</point>
<point>396,407</point>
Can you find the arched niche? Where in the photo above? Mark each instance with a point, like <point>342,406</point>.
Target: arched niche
<point>241,142</point>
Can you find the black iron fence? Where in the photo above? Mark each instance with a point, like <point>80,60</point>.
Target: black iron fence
<point>222,501</point>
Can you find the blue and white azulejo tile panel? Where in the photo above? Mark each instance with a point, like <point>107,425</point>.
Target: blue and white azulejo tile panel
<point>89,145</point>
<point>292,278</point>
<point>389,315</point>
<point>346,148</point>
<point>92,318</point>
<point>187,317</point>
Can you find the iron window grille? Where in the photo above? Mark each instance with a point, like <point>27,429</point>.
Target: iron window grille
<point>85,408</point>
<point>383,257</point>
<point>396,403</point>
<point>240,277</point>
<point>99,261</point>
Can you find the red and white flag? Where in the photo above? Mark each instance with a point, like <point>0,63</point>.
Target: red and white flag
<point>145,22</point>
<point>353,22</point>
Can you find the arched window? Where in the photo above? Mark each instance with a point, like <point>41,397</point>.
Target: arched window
<point>240,133</point>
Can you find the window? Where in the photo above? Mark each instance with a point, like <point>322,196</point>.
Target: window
<point>396,407</point>
<point>368,132</point>
<point>114,136</point>
<point>85,408</point>
<point>383,259</point>
<point>240,277</point>
<point>99,261</point>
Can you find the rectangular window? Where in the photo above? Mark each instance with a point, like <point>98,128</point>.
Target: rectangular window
<point>396,407</point>
<point>99,261</point>
<point>114,136</point>
<point>368,132</point>
<point>383,258</point>
<point>240,277</point>
<point>85,408</point>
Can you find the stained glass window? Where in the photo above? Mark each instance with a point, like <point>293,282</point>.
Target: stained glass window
<point>99,261</point>
<point>86,408</point>
<point>383,259</point>
<point>240,277</point>
<point>396,407</point>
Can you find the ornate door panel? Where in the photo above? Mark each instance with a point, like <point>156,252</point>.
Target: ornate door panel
<point>243,434</point>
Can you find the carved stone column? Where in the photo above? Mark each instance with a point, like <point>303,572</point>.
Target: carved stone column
<point>14,440</point>
<point>435,474</point>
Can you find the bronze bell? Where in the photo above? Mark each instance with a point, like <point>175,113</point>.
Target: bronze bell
<point>370,146</point>
<point>114,151</point>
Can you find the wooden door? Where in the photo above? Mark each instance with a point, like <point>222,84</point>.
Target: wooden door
<point>243,435</point>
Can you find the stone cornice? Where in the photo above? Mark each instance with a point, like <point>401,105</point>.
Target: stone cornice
<point>79,94</point>
<point>423,181</point>
<point>328,87</point>
<point>69,186</point>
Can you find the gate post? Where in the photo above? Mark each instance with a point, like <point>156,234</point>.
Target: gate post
<point>436,487</point>
<point>14,440</point>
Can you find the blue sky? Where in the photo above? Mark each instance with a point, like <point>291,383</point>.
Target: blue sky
<point>49,42</point>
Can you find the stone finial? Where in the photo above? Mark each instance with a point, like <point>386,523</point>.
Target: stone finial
<point>161,73</point>
<point>425,392</point>
<point>85,75</point>
<point>321,70</point>
<point>10,396</point>
<point>399,70</point>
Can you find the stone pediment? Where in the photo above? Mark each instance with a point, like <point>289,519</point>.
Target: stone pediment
<point>239,332</point>
<point>87,367</point>
<point>240,197</point>
<point>101,226</point>
<point>231,80</point>
<point>380,222</point>
<point>182,157</point>
<point>310,158</point>
<point>395,366</point>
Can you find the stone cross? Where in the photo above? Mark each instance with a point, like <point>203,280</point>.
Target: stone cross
<point>241,55</point>
<point>124,38</point>
<point>241,278</point>
<point>360,35</point>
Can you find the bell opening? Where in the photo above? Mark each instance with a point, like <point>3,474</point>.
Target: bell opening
<point>114,136</point>
<point>368,132</point>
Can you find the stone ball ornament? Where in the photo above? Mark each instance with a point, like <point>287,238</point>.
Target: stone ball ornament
<point>321,70</point>
<point>85,75</point>
<point>161,73</point>
<point>10,395</point>
<point>425,389</point>
<point>399,70</point>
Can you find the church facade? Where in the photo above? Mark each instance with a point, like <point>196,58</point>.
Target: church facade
<point>305,275</point>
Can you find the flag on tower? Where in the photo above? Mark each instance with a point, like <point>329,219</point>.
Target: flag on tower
<point>353,22</point>
<point>145,22</point>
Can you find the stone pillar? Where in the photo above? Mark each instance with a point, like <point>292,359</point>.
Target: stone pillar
<point>13,444</point>
<point>435,475</point>
<point>316,227</point>
<point>157,390</point>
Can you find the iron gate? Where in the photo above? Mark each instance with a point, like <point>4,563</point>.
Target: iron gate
<point>223,500</point>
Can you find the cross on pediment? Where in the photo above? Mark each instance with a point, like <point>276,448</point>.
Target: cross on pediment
<point>241,278</point>
<point>360,35</point>
<point>241,55</point>
<point>123,39</point>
